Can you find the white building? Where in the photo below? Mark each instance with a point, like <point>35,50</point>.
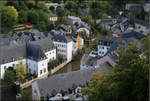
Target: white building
<point>104,45</point>
<point>64,46</point>
<point>9,56</point>
<point>39,54</point>
<point>53,17</point>
<point>35,55</point>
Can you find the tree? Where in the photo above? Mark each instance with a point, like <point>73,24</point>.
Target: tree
<point>72,6</point>
<point>88,19</point>
<point>50,26</point>
<point>9,15</point>
<point>21,70</point>
<point>127,81</point>
<point>41,26</point>
<point>104,16</point>
<point>93,45</point>
<point>60,12</point>
<point>9,77</point>
<point>23,16</point>
<point>41,6</point>
<point>33,16</point>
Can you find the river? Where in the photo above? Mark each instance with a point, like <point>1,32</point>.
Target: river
<point>72,66</point>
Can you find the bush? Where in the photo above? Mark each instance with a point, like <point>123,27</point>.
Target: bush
<point>55,62</point>
<point>9,77</point>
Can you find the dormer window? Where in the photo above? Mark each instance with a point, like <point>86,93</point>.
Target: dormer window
<point>13,59</point>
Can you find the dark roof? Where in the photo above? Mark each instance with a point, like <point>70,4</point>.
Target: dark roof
<point>4,41</point>
<point>52,15</point>
<point>62,38</point>
<point>106,41</point>
<point>66,80</point>
<point>134,34</point>
<point>12,52</point>
<point>36,49</point>
<point>117,43</point>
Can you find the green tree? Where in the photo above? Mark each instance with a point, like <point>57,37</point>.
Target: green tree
<point>104,16</point>
<point>21,70</point>
<point>23,16</point>
<point>33,16</point>
<point>41,26</point>
<point>9,15</point>
<point>41,6</point>
<point>9,77</point>
<point>72,6</point>
<point>93,45</point>
<point>127,81</point>
<point>50,26</point>
<point>60,12</point>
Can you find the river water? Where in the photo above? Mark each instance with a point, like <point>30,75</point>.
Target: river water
<point>72,66</point>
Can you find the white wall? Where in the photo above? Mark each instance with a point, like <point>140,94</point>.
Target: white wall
<point>53,18</point>
<point>32,66</point>
<point>65,49</point>
<point>37,66</point>
<point>7,65</point>
<point>41,66</point>
<point>69,51</point>
<point>51,55</point>
<point>102,50</point>
<point>61,49</point>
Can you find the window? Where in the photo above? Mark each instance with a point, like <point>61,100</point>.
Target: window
<point>4,67</point>
<point>40,72</point>
<point>44,70</point>
<point>29,70</point>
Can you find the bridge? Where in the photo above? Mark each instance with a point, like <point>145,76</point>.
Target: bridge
<point>53,6</point>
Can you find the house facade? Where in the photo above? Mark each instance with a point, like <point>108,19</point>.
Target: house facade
<point>104,45</point>
<point>64,46</point>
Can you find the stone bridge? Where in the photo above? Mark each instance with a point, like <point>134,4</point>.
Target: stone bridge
<point>53,6</point>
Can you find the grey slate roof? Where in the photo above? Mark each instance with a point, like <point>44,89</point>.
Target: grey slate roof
<point>52,15</point>
<point>12,52</point>
<point>36,49</point>
<point>88,60</point>
<point>62,38</point>
<point>66,80</point>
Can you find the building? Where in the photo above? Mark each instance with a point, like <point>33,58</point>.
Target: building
<point>66,83</point>
<point>64,46</point>
<point>104,45</point>
<point>35,55</point>
<point>53,17</point>
<point>9,57</point>
<point>88,62</point>
<point>71,20</point>
<point>39,54</point>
